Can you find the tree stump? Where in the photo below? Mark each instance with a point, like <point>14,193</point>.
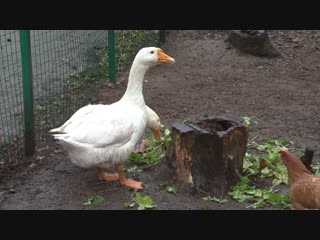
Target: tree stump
<point>255,42</point>
<point>208,153</point>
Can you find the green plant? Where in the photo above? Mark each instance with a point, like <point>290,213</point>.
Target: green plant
<point>268,162</point>
<point>137,159</point>
<point>127,43</point>
<point>214,199</point>
<point>263,161</point>
<point>85,77</point>
<point>40,107</point>
<point>96,200</point>
<point>316,168</point>
<point>154,152</point>
<point>250,120</point>
<point>170,189</point>
<point>133,169</point>
<point>242,191</point>
<point>166,140</point>
<point>143,202</point>
<point>57,103</point>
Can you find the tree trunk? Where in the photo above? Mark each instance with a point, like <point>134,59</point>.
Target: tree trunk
<point>255,42</point>
<point>208,153</point>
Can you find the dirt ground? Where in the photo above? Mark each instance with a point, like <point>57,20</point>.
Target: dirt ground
<point>208,78</point>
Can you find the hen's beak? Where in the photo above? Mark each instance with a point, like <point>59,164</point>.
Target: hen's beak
<point>156,133</point>
<point>282,151</point>
<point>162,57</point>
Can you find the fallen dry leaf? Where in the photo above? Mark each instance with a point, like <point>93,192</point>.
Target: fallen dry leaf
<point>263,163</point>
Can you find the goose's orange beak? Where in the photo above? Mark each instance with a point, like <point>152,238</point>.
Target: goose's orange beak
<point>156,133</point>
<point>162,57</point>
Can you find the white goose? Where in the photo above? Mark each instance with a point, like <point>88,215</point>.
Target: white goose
<point>153,122</point>
<point>105,135</point>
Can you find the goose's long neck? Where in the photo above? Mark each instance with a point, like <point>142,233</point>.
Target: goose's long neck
<point>135,82</point>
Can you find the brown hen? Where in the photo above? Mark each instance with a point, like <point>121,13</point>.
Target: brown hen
<point>304,186</point>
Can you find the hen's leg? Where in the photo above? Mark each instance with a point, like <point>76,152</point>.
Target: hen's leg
<point>108,177</point>
<point>127,182</point>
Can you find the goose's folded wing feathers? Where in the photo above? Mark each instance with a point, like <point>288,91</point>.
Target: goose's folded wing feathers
<point>100,130</point>
<point>77,115</point>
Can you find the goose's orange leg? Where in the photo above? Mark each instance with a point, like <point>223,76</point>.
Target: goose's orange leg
<point>108,177</point>
<point>127,182</point>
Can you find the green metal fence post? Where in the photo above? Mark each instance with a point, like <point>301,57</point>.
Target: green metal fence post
<point>29,136</point>
<point>111,55</point>
<point>162,35</point>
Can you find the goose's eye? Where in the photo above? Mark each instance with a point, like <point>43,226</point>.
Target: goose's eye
<point>152,52</point>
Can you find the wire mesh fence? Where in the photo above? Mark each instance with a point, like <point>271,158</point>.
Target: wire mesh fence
<point>65,74</point>
<point>11,109</point>
<point>68,67</point>
<point>128,43</point>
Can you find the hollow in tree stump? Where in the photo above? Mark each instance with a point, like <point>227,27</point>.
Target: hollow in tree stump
<point>208,153</point>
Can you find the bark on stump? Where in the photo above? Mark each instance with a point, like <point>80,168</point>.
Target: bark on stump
<point>208,153</point>
<point>255,42</point>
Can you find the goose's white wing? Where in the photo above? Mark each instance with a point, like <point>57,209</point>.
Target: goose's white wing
<point>77,115</point>
<point>100,127</point>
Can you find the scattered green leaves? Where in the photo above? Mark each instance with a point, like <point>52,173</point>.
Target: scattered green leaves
<point>242,191</point>
<point>269,143</point>
<point>170,189</point>
<point>166,140</point>
<point>316,168</point>
<point>250,120</point>
<point>137,159</point>
<point>269,153</point>
<point>263,161</point>
<point>40,107</point>
<point>84,77</point>
<point>163,184</point>
<point>95,200</point>
<point>143,202</point>
<point>214,199</point>
<point>133,169</point>
<point>251,163</point>
<point>154,152</point>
